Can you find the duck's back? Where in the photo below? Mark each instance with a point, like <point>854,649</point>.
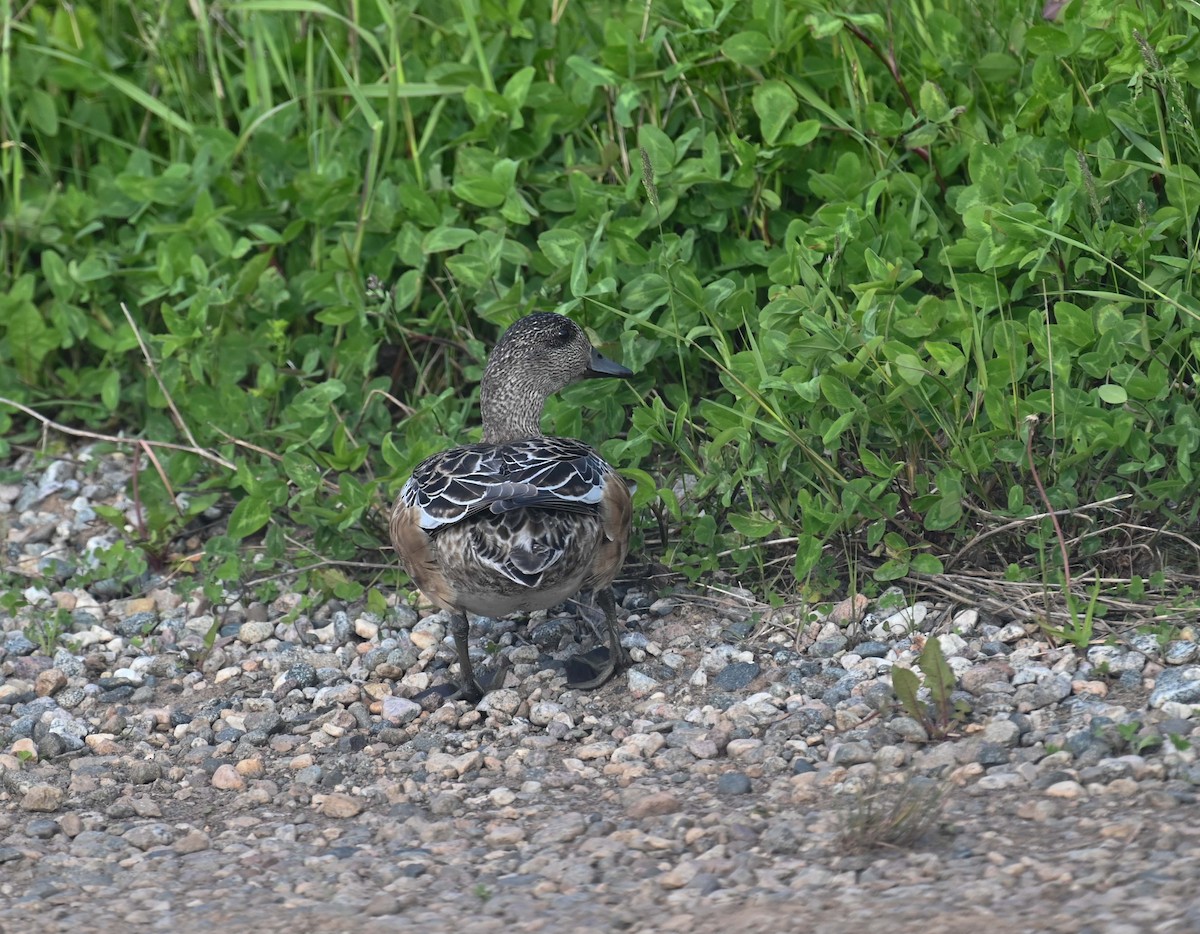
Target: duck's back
<point>501,528</point>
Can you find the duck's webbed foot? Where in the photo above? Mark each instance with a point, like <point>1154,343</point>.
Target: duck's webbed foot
<point>591,669</point>
<point>473,686</point>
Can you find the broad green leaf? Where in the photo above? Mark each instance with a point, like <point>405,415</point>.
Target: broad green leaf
<point>906,685</point>
<point>42,112</point>
<point>802,133</point>
<point>442,239</point>
<point>484,192</point>
<point>248,516</point>
<point>1049,40</point>
<point>939,678</point>
<point>316,401</point>
<point>658,147</point>
<point>560,245</point>
<point>997,67</point>
<point>749,49</point>
<point>754,526</point>
<point>775,105</point>
<point>1112,394</point>
<point>891,570</point>
<point>645,292</point>
<point>579,271</point>
<point>934,105</point>
<point>595,75</point>
<point>110,390</point>
<point>927,564</point>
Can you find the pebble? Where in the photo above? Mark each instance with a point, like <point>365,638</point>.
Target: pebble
<point>735,676</point>
<point>42,798</point>
<point>713,776</point>
<point>400,709</point>
<point>1065,789</point>
<point>148,836</point>
<point>734,783</point>
<point>253,632</point>
<point>654,804</point>
<point>1179,685</point>
<point>339,805</point>
<point>227,778</point>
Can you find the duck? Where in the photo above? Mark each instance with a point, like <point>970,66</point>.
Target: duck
<point>520,521</point>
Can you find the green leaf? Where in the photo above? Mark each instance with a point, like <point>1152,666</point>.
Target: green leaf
<point>645,292</point>
<point>891,570</point>
<point>927,564</point>
<point>802,133</point>
<point>110,390</point>
<point>316,401</point>
<point>1048,40</point>
<point>579,271</point>
<point>248,516</point>
<point>484,192</point>
<point>594,75</point>
<point>775,105</point>
<point>934,105</point>
<point>997,67</point>
<point>42,112</point>
<point>944,514</point>
<point>1113,394</point>
<point>441,239</point>
<point>808,555</point>
<point>658,147</point>
<point>906,685</point>
<point>749,49</point>
<point>560,245</point>
<point>939,677</point>
<point>754,526</point>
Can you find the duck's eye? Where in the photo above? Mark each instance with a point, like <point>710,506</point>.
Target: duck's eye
<point>564,334</point>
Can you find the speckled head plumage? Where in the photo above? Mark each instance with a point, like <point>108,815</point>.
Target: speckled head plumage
<point>536,357</point>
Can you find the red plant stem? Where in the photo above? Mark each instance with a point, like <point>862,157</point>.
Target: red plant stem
<point>1031,422</point>
<point>137,499</point>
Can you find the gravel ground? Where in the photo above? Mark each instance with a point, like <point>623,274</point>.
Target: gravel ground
<point>736,775</point>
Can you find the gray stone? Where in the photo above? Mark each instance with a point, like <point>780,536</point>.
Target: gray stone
<point>852,754</point>
<point>1002,732</point>
<point>97,844</point>
<point>138,624</point>
<point>1181,685</point>
<point>148,836</point>
<point>144,772</point>
<point>828,648</point>
<point>17,643</point>
<point>734,783</point>
<point>1180,652</point>
<point>735,676</point>
<point>1044,693</point>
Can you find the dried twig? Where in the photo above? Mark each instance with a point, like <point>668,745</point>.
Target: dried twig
<point>1031,423</point>
<point>116,439</point>
<point>179,422</point>
<point>1018,523</point>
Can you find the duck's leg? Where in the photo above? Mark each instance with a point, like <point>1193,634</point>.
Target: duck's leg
<point>593,668</point>
<point>472,687</point>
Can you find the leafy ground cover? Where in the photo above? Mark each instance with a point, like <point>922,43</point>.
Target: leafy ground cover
<point>911,292</point>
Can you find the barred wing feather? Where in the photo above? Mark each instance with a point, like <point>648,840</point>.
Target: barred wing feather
<point>558,473</point>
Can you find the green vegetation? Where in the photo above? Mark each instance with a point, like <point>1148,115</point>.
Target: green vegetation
<point>943,714</point>
<point>852,252</point>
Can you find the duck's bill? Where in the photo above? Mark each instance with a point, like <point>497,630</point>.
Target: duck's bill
<point>601,366</point>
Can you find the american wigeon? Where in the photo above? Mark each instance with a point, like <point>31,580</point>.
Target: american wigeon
<point>520,521</point>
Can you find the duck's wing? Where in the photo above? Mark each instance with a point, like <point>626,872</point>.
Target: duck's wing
<point>553,473</point>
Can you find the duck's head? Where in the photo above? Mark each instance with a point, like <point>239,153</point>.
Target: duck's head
<point>535,358</point>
